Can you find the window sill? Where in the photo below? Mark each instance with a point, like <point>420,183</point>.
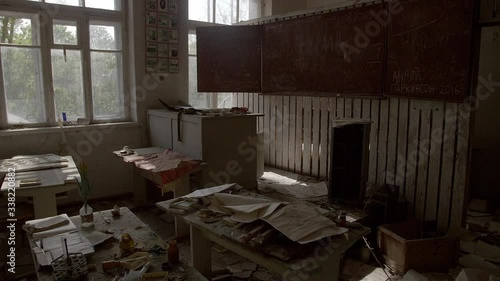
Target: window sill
<point>48,130</point>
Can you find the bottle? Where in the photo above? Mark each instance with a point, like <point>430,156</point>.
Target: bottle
<point>87,216</point>
<point>173,252</point>
<point>342,219</point>
<point>127,244</point>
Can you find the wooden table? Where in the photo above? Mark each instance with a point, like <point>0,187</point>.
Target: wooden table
<point>323,264</point>
<point>143,236</point>
<point>53,181</point>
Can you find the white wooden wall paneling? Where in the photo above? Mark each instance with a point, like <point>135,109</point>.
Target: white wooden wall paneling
<point>420,146</point>
<point>316,123</point>
<point>306,157</point>
<point>292,134</point>
<point>324,144</point>
<point>285,132</point>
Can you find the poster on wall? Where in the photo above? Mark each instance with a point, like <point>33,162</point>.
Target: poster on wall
<point>162,36</point>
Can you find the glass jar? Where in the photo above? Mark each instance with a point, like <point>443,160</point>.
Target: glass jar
<point>173,252</point>
<point>87,216</point>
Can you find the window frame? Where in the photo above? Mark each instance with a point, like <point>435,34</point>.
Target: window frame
<point>47,13</point>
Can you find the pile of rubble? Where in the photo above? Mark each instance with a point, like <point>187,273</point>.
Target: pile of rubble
<point>480,244</point>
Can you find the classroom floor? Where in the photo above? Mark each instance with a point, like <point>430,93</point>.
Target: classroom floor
<point>163,225</point>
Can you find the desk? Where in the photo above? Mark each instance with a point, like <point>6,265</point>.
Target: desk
<point>179,186</point>
<point>322,264</point>
<point>53,181</point>
<point>143,236</point>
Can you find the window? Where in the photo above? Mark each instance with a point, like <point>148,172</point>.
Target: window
<point>114,5</point>
<point>72,64</point>
<point>214,12</point>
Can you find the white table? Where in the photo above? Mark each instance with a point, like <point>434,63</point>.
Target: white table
<point>180,187</point>
<point>53,181</point>
<point>322,264</point>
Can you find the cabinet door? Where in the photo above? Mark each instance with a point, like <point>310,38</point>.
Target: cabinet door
<point>160,131</point>
<point>190,138</point>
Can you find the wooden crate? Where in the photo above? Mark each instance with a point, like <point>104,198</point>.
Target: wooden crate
<point>404,249</point>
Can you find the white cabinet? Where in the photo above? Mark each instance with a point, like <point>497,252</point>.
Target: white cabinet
<point>227,144</point>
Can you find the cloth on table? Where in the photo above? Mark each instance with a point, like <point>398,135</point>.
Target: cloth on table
<point>169,165</point>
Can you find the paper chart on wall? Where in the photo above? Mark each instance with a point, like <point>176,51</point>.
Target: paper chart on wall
<point>162,36</point>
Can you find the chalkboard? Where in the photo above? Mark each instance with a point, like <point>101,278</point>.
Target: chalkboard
<point>340,52</point>
<point>429,50</point>
<point>229,58</point>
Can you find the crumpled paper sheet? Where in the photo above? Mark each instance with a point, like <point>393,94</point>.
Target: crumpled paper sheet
<point>244,209</point>
<point>302,224</point>
<point>299,222</point>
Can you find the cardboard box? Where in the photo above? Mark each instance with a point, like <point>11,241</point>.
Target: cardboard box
<point>404,248</point>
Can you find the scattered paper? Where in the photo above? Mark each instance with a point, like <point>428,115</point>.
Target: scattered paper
<point>261,275</point>
<point>209,191</point>
<point>412,275</point>
<point>475,261</point>
<point>474,274</point>
<point>244,208</point>
<point>245,275</point>
<point>302,224</point>
<point>96,237</point>
<point>50,248</point>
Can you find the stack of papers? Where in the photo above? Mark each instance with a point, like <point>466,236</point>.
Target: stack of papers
<point>48,234</point>
<point>50,248</point>
<point>50,226</point>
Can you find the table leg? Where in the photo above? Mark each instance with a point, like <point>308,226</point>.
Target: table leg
<point>201,253</point>
<point>140,192</point>
<point>330,269</point>
<point>44,205</point>
<point>181,227</point>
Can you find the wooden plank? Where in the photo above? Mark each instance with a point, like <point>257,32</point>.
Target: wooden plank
<point>367,106</point>
<point>267,128</point>
<point>316,123</point>
<point>434,162</point>
<point>332,117</point>
<point>299,125</point>
<point>279,131</point>
<point>412,156</point>
<point>292,133</point>
<point>241,99</point>
<point>423,161</point>
<point>402,141</point>
<point>348,108</point>
<point>247,99</point>
<point>261,110</point>
<point>392,139</point>
<point>333,109</point>
<point>356,111</point>
<point>340,108</point>
<point>306,158</point>
<point>250,102</point>
<point>286,126</point>
<point>448,167</point>
<point>324,144</point>
<point>461,162</point>
<point>382,142</point>
<point>272,131</point>
<point>374,116</point>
